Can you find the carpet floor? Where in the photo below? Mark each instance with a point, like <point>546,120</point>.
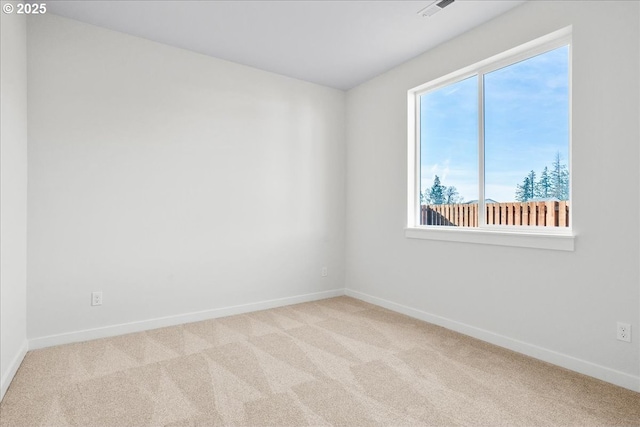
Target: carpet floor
<point>338,361</point>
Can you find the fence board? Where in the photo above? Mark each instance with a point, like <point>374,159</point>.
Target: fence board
<point>541,213</point>
<point>474,215</point>
<point>563,214</point>
<point>552,214</point>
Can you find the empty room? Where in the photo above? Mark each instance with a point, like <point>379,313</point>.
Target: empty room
<point>292,213</point>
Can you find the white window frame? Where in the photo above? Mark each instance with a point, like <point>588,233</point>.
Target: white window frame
<point>505,235</point>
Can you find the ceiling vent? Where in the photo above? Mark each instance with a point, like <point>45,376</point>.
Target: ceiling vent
<point>434,8</point>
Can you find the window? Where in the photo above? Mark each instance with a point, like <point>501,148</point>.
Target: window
<point>489,150</point>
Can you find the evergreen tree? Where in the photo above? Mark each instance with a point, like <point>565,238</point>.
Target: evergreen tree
<point>526,190</point>
<point>436,192</point>
<point>559,179</point>
<point>522,190</point>
<point>543,186</point>
<point>532,185</point>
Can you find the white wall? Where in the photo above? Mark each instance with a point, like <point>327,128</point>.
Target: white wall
<point>172,182</point>
<point>13,196</point>
<point>559,306</point>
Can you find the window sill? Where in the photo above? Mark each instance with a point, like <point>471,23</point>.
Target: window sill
<point>523,239</point>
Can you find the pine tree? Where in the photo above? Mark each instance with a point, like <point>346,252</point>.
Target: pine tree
<point>531,193</point>
<point>543,186</point>
<point>436,192</point>
<point>526,190</point>
<point>522,190</point>
<point>559,179</point>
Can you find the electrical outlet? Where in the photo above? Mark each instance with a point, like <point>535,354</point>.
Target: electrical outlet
<point>96,298</point>
<point>624,332</point>
<point>324,272</point>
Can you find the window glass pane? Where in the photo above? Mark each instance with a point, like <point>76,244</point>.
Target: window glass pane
<point>526,108</point>
<point>449,155</point>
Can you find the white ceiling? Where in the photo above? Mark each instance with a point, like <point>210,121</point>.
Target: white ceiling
<point>333,43</point>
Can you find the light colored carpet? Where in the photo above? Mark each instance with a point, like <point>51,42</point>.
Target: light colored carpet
<point>338,361</point>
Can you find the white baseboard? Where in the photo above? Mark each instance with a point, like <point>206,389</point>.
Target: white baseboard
<point>144,325</point>
<point>578,365</point>
<point>6,379</point>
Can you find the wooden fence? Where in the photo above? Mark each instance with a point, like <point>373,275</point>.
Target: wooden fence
<point>549,214</point>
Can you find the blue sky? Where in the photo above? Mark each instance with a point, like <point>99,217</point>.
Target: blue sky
<point>526,123</point>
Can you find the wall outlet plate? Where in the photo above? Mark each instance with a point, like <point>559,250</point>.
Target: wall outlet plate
<point>96,298</point>
<point>623,332</point>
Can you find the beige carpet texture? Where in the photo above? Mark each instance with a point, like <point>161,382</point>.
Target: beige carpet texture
<point>338,361</point>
